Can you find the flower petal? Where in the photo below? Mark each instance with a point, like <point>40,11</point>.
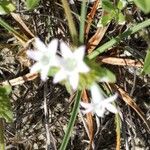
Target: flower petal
<point>65,50</point>
<point>74,80</point>
<point>61,75</point>
<point>82,67</point>
<point>40,45</point>
<point>85,105</point>
<point>44,73</point>
<point>96,94</point>
<point>35,55</point>
<point>88,107</point>
<point>53,45</point>
<point>79,53</point>
<point>111,98</point>
<point>100,112</point>
<point>111,108</point>
<point>35,68</point>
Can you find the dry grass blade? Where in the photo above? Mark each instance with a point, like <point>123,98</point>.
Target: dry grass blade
<point>132,104</point>
<point>96,38</point>
<point>21,80</point>
<point>89,119</point>
<point>90,17</point>
<point>121,61</point>
<point>22,25</point>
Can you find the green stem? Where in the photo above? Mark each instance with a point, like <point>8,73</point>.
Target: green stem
<point>71,23</point>
<point>82,21</point>
<point>116,40</point>
<point>2,142</point>
<point>71,121</point>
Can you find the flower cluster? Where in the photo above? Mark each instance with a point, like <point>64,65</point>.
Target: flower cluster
<point>70,64</point>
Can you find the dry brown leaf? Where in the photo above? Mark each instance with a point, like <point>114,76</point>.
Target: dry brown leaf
<point>22,25</point>
<point>132,104</point>
<point>96,38</point>
<point>120,61</point>
<point>21,80</point>
<point>89,117</point>
<point>90,17</point>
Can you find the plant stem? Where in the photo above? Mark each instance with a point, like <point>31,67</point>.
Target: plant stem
<point>2,142</point>
<point>71,23</point>
<point>71,121</point>
<point>82,21</point>
<point>116,40</point>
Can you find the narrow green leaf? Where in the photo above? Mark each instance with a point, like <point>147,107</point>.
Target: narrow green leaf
<point>12,30</point>
<point>144,5</point>
<point>71,24</point>
<point>146,68</point>
<point>2,138</point>
<point>82,21</point>
<point>116,40</point>
<point>71,121</point>
<point>31,4</point>
<point>5,106</point>
<point>6,7</point>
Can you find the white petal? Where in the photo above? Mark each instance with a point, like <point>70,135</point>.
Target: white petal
<point>88,107</point>
<point>96,94</point>
<point>85,105</point>
<point>65,50</point>
<point>61,75</point>
<point>40,45</point>
<point>53,45</point>
<point>100,112</point>
<point>82,67</point>
<point>111,108</point>
<point>35,55</point>
<point>74,80</point>
<point>111,98</point>
<point>35,68</point>
<point>79,53</point>
<point>44,73</point>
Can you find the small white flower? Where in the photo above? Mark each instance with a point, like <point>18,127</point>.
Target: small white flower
<point>45,57</point>
<point>71,64</point>
<point>99,104</point>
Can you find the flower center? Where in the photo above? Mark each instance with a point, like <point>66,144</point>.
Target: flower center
<point>70,64</point>
<point>45,59</point>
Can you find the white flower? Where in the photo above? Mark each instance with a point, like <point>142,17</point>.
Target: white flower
<point>45,57</point>
<point>71,64</point>
<point>99,104</point>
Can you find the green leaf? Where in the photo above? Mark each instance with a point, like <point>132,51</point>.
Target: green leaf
<point>6,7</point>
<point>107,5</point>
<point>5,106</point>
<point>105,20</point>
<point>146,68</point>
<point>144,5</point>
<point>97,73</point>
<point>121,19</point>
<point>121,4</point>
<point>72,120</point>
<point>31,4</point>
